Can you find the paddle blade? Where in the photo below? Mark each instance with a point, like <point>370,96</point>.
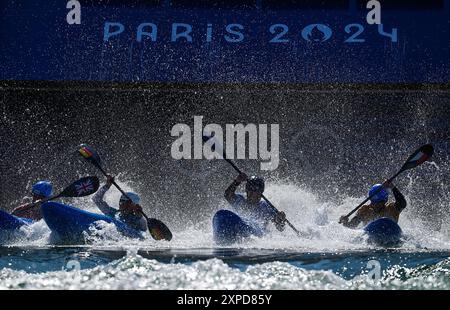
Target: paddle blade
<point>83,187</point>
<point>158,230</point>
<point>89,154</point>
<point>417,158</point>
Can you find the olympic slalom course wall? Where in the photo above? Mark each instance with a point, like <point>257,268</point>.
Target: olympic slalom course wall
<point>225,41</point>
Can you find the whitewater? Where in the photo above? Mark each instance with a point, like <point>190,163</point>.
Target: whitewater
<point>329,256</point>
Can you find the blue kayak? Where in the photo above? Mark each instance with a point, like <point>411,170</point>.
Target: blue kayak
<point>10,222</point>
<point>70,224</point>
<point>229,228</point>
<point>383,232</point>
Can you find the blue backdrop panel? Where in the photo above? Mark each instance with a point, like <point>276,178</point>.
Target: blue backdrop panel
<point>225,41</point>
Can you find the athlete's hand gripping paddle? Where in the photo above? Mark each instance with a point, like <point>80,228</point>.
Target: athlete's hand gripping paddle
<point>158,230</point>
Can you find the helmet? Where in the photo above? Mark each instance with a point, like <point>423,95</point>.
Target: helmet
<point>133,196</point>
<point>382,195</point>
<point>255,184</point>
<point>42,188</point>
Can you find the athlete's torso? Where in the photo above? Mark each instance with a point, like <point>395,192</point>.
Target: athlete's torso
<point>369,213</point>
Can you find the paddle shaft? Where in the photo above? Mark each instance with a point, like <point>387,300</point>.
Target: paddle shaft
<point>34,204</point>
<point>113,182</point>
<point>262,195</point>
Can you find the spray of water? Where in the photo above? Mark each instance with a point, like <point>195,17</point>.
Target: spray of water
<point>315,218</point>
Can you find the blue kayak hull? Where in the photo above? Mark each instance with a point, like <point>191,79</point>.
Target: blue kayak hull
<point>230,228</point>
<point>71,224</point>
<point>383,232</point>
<point>10,222</point>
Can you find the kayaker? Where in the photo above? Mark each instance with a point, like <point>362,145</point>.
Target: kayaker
<point>39,191</point>
<point>253,208</point>
<point>378,207</point>
<point>129,212</point>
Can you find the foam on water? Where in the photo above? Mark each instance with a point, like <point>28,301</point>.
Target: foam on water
<point>315,218</point>
<point>136,272</point>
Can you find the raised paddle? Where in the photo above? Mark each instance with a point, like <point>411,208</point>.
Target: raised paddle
<point>80,188</point>
<point>419,156</point>
<point>219,151</point>
<point>158,230</point>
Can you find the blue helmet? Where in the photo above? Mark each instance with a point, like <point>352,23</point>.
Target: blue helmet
<point>42,188</point>
<point>382,195</point>
<point>133,196</point>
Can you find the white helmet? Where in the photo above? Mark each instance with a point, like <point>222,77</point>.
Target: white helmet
<point>129,196</point>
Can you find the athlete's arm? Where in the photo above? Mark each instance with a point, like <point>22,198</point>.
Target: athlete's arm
<point>29,210</point>
<point>100,203</point>
<point>19,210</point>
<point>400,201</point>
<point>353,223</point>
<point>230,192</point>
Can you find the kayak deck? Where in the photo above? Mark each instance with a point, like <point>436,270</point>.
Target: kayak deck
<point>383,232</point>
<point>229,228</point>
<point>71,224</point>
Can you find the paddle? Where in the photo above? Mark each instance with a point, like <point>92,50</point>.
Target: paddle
<point>421,155</point>
<point>158,230</point>
<point>80,188</point>
<point>217,149</point>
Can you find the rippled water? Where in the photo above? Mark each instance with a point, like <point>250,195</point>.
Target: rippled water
<point>88,268</point>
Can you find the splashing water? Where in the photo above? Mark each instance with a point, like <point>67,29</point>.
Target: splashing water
<point>318,220</point>
<point>329,257</point>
